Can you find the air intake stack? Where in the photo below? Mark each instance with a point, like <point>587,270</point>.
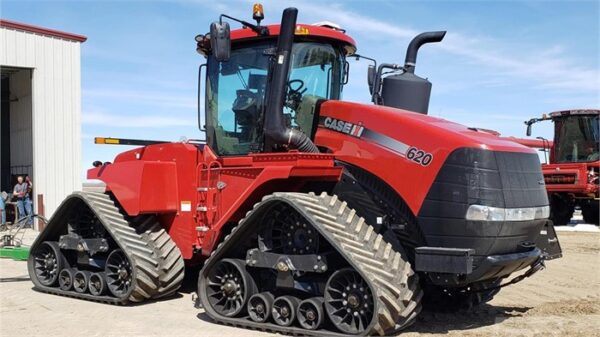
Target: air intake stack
<point>406,90</point>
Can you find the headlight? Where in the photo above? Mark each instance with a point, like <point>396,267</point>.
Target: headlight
<point>542,212</point>
<point>487,213</point>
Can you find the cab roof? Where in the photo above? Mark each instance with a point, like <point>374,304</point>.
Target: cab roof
<point>310,31</point>
<point>574,112</point>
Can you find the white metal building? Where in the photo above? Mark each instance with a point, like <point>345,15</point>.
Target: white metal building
<point>40,127</point>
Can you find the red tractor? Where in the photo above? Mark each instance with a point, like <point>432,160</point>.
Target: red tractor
<point>572,173</point>
<point>310,215</point>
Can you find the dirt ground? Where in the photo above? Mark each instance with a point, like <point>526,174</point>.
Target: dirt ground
<point>563,300</point>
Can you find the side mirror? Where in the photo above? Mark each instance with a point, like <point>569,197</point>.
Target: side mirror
<point>371,78</point>
<point>346,73</point>
<point>220,41</point>
<point>528,130</point>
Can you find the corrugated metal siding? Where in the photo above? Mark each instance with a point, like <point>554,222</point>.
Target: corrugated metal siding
<point>56,103</point>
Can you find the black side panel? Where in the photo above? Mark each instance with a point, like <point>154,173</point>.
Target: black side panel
<point>372,199</point>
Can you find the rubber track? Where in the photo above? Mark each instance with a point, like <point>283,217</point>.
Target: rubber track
<point>396,286</point>
<point>171,264</point>
<point>146,261</point>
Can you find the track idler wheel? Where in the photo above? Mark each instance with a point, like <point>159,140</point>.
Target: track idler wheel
<point>349,301</point>
<point>119,274</point>
<point>284,310</point>
<point>97,284</point>
<point>229,287</point>
<point>48,261</point>
<point>310,313</point>
<point>81,280</point>
<point>65,279</point>
<point>259,306</point>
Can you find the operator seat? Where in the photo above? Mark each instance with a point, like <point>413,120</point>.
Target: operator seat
<point>245,109</point>
<point>305,114</point>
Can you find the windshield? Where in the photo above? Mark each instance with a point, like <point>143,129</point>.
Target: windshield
<point>576,139</point>
<point>235,96</point>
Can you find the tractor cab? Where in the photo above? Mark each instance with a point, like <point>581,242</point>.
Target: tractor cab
<point>238,81</point>
<point>576,136</point>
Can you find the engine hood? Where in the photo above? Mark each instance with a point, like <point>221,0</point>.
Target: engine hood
<point>404,149</point>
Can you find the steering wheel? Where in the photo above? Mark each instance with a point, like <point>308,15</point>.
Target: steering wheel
<point>294,97</point>
<point>300,84</point>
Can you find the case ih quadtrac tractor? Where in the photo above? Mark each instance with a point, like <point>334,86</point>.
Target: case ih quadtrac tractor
<point>572,173</point>
<point>310,215</point>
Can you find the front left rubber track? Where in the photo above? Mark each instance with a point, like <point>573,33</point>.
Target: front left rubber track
<point>156,263</point>
<point>396,288</point>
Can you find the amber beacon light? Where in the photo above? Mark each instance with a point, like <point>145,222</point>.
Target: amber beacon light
<point>257,13</point>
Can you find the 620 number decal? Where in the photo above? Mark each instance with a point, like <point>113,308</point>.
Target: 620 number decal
<point>419,156</point>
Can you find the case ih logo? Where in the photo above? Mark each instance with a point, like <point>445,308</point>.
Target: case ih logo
<point>339,125</point>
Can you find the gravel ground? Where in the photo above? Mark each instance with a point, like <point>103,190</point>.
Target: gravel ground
<point>563,300</point>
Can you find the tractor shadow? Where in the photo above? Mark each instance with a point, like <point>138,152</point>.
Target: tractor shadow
<point>100,303</point>
<point>204,317</point>
<point>14,279</point>
<point>433,322</point>
<point>437,322</point>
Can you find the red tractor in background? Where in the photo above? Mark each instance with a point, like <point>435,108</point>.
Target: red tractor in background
<point>309,215</point>
<point>572,173</point>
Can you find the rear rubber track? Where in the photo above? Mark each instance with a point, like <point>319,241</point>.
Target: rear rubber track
<point>157,265</point>
<point>395,285</point>
<point>171,264</point>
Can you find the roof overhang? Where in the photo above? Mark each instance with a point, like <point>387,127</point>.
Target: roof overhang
<point>41,30</point>
<point>302,30</point>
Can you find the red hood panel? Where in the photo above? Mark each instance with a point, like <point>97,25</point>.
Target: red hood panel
<point>414,127</point>
<point>404,149</point>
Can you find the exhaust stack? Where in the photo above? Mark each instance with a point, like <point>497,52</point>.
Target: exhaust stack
<point>413,48</point>
<point>408,91</point>
<point>275,131</point>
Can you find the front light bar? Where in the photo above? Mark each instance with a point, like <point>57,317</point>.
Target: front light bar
<point>487,213</point>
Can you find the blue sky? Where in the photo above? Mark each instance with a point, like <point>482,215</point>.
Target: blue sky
<point>500,63</point>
